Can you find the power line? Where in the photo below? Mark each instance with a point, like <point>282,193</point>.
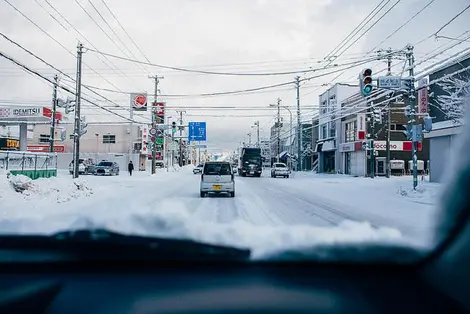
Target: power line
<point>200,71</point>
<point>122,27</point>
<point>380,18</point>
<point>53,67</point>
<point>84,38</point>
<point>27,69</point>
<point>403,25</point>
<point>354,64</point>
<point>445,25</point>
<point>115,34</point>
<point>55,40</point>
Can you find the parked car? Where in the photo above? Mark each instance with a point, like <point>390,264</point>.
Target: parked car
<point>107,168</point>
<point>279,169</point>
<point>85,166</point>
<point>198,169</point>
<point>217,177</point>
<point>159,164</point>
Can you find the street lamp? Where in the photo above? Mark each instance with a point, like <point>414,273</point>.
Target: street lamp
<point>291,125</point>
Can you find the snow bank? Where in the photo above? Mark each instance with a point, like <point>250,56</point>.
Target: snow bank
<point>175,220</point>
<point>58,190</point>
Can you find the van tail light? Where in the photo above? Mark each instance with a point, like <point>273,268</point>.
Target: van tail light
<point>233,176</point>
<point>202,176</point>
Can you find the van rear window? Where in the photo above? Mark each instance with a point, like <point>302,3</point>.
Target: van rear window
<point>217,169</point>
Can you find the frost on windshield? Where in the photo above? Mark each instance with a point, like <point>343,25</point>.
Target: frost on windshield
<point>454,196</point>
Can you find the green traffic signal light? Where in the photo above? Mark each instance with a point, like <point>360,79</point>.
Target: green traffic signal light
<point>366,82</point>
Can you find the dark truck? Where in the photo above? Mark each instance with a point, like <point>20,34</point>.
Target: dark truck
<point>249,163</point>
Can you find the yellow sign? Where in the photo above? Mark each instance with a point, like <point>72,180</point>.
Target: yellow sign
<point>9,144</point>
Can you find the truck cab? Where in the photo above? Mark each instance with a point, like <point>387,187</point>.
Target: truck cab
<point>250,163</point>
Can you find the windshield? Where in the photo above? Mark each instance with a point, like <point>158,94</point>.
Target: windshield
<point>105,164</point>
<point>265,125</point>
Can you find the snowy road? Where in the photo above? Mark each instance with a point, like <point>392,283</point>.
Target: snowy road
<point>266,212</point>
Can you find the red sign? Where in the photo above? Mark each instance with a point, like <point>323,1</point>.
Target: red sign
<point>159,108</point>
<point>45,148</point>
<point>46,112</point>
<point>140,101</point>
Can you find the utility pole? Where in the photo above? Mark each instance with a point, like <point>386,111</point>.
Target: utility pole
<point>249,138</point>
<point>78,96</point>
<point>299,125</point>
<point>257,134</point>
<point>54,108</point>
<point>181,137</point>
<point>372,137</point>
<point>412,121</point>
<point>389,117</point>
<point>156,79</point>
<point>278,128</point>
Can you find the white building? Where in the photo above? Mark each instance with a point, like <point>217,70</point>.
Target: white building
<point>330,126</point>
<point>118,142</point>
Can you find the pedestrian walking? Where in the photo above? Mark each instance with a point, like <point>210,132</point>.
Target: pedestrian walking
<point>130,167</point>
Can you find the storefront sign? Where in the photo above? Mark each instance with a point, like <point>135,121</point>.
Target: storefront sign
<point>346,147</point>
<point>361,126</point>
<point>396,145</point>
<point>9,144</point>
<point>28,112</point>
<point>46,148</point>
<point>422,96</point>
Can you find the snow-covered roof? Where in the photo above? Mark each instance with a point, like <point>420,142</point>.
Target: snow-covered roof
<point>445,128</point>
<point>447,124</point>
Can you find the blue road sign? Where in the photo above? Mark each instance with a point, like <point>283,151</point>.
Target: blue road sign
<point>197,131</point>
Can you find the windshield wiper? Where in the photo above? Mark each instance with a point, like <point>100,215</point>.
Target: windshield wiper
<point>105,245</point>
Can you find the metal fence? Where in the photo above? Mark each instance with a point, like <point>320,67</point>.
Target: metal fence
<point>33,165</point>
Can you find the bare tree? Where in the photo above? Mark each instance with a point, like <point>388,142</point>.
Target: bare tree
<point>456,89</point>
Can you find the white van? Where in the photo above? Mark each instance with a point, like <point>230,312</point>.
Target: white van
<point>217,177</point>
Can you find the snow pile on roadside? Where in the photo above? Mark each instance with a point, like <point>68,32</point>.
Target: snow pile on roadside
<point>54,189</point>
<point>5,187</point>
<point>172,219</point>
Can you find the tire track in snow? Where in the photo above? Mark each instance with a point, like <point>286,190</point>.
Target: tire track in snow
<point>252,207</point>
<point>336,217</point>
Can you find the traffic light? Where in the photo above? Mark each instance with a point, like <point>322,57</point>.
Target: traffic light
<point>173,127</point>
<point>366,82</point>
<point>377,115</point>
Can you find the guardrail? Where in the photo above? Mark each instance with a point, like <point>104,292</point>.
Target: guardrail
<point>33,165</point>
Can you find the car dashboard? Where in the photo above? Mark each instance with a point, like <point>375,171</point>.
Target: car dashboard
<point>219,288</point>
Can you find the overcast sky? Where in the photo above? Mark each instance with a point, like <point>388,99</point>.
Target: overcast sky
<point>242,36</point>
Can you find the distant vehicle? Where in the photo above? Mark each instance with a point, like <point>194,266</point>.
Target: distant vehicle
<point>249,163</point>
<point>279,169</point>
<point>198,169</point>
<point>159,164</point>
<point>217,177</point>
<point>85,166</point>
<point>107,168</point>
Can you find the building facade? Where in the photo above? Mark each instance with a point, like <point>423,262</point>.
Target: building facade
<point>330,126</point>
<point>447,101</point>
